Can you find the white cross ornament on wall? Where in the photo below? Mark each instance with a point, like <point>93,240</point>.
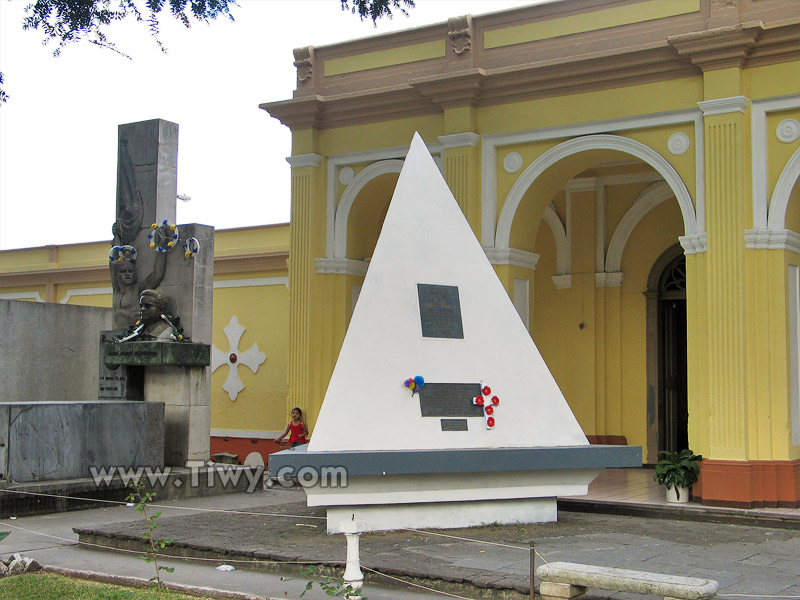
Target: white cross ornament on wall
<point>252,358</point>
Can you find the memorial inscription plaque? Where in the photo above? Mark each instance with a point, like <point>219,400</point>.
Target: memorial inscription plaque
<point>454,425</point>
<point>449,400</point>
<point>440,311</point>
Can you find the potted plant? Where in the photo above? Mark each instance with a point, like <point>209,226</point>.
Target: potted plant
<point>678,471</point>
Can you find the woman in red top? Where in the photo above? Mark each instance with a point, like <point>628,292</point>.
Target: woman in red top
<point>297,430</point>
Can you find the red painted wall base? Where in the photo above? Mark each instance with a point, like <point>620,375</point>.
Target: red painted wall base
<point>749,484</point>
<point>244,446</point>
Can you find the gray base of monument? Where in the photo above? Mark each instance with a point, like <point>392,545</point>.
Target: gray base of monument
<point>446,488</point>
<point>45,441</point>
<point>175,374</point>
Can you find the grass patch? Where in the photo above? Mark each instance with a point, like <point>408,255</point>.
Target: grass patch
<point>48,586</point>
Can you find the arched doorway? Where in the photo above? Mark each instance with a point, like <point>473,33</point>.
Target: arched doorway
<point>667,390</point>
<point>673,412</point>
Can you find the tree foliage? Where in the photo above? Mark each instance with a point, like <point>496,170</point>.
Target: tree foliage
<point>375,9</point>
<point>69,21</point>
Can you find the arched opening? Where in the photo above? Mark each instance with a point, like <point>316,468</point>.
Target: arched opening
<point>673,412</point>
<point>667,398</point>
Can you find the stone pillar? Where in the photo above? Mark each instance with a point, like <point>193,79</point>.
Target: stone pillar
<point>146,194</point>
<point>725,213</point>
<point>461,168</point>
<point>308,211</point>
<point>581,327</point>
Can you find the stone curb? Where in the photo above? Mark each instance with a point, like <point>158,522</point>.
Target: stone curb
<point>135,582</point>
<point>277,563</point>
<point>702,514</point>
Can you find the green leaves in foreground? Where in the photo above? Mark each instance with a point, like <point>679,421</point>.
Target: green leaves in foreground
<point>331,586</point>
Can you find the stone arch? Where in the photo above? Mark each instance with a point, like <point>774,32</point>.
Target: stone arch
<point>349,197</point>
<point>651,196</point>
<point>783,190</point>
<point>582,144</point>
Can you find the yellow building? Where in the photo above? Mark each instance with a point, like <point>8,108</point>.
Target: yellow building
<point>251,291</point>
<point>631,168</point>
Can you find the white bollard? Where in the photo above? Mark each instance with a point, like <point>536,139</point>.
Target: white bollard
<point>352,531</point>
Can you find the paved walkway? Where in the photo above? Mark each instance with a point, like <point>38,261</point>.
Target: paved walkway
<point>748,561</point>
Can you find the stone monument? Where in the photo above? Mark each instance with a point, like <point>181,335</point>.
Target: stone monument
<point>171,267</point>
<point>440,409</point>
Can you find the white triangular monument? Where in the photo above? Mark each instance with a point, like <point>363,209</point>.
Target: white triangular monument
<point>429,268</point>
<point>431,306</point>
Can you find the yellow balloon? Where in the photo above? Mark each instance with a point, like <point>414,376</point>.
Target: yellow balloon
<point>152,244</point>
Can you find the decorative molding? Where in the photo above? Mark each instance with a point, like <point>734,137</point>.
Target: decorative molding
<point>609,279</point>
<point>342,214</point>
<point>512,162</point>
<point>85,292</point>
<point>771,239</point>
<point>593,142</point>
<point>719,48</point>
<point>651,196</point>
<point>492,142</point>
<point>245,434</point>
<point>678,143</point>
<point>758,127</point>
<point>22,296</point>
<point>562,282</point>
<point>459,30</point>
<point>559,230</point>
<point>304,160</point>
<point>778,204</point>
<point>252,358</point>
<point>788,130</point>
<point>346,175</point>
<point>341,266</point>
<point>694,243</point>
<point>582,184</point>
<point>452,90</point>
<point>254,282</point>
<point>724,106</point>
<point>459,140</point>
<point>512,257</point>
<point>304,62</point>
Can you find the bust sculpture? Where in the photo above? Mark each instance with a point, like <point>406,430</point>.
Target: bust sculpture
<point>154,323</point>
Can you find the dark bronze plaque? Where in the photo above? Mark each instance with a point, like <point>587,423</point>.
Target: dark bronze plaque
<point>449,400</point>
<point>440,311</point>
<point>454,425</point>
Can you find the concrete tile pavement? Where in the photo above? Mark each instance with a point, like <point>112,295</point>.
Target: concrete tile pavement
<point>493,561</point>
<point>754,562</point>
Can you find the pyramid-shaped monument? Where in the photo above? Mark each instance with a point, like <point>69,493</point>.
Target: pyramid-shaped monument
<point>440,411</point>
<point>432,306</point>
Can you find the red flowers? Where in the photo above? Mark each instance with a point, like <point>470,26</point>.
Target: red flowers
<point>487,404</point>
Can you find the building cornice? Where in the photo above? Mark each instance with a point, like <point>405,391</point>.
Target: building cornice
<point>304,160</point>
<point>459,140</point>
<point>341,266</point>
<point>521,73</point>
<point>512,257</point>
<point>719,48</point>
<point>724,106</point>
<point>770,239</point>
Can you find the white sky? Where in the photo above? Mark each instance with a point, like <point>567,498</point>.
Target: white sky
<point>58,130</point>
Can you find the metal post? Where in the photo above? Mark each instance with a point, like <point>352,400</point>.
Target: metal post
<point>533,566</point>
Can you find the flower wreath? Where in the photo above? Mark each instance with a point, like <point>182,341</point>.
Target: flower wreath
<point>163,237</point>
<point>191,247</point>
<point>122,253</point>
<point>415,384</point>
<point>135,330</point>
